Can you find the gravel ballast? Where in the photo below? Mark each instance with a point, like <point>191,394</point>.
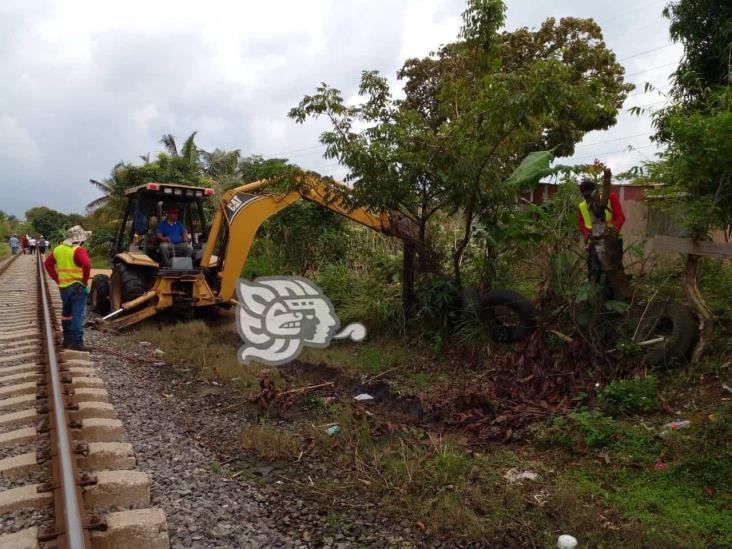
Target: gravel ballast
<point>204,508</point>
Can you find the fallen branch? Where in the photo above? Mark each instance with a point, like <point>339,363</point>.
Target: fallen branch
<point>126,356</point>
<point>382,374</point>
<point>305,389</point>
<point>561,336</point>
<point>268,394</point>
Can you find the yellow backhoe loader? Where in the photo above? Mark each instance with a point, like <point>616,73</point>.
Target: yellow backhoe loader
<point>139,286</point>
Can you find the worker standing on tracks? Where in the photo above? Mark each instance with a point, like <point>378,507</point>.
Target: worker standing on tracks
<point>614,217</point>
<point>69,266</point>
<point>14,242</point>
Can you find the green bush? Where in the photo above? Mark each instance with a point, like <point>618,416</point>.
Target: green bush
<point>629,397</point>
<point>589,426</point>
<point>352,293</point>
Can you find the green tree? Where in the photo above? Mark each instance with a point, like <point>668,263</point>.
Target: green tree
<point>695,170</point>
<point>704,27</point>
<point>302,237</point>
<point>472,112</point>
<point>182,166</point>
<point>222,167</point>
<point>48,222</point>
<point>113,199</point>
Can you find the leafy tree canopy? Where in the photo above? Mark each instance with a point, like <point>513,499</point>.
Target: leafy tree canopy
<point>472,111</point>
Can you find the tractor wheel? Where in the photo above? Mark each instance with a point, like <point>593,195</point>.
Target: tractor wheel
<point>512,317</point>
<point>676,325</point>
<point>99,294</point>
<point>126,284</point>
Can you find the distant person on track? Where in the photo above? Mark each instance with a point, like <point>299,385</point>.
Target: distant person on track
<point>69,266</point>
<point>32,244</point>
<point>173,238</point>
<point>42,245</point>
<point>614,217</point>
<point>14,243</point>
<point>24,244</point>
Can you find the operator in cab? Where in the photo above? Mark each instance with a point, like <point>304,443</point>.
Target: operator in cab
<point>173,238</point>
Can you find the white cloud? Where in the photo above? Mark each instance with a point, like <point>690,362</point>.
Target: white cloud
<point>91,83</point>
<point>17,145</point>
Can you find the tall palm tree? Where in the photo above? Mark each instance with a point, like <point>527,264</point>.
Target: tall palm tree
<point>189,151</point>
<point>113,201</point>
<point>222,167</point>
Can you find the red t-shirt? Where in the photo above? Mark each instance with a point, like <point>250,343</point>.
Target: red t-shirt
<point>81,259</point>
<point>615,208</point>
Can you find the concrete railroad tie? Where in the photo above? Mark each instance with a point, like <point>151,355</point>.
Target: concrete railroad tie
<point>112,490</point>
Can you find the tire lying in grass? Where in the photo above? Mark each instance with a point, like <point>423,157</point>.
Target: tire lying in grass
<point>510,316</point>
<point>675,324</point>
<point>99,294</point>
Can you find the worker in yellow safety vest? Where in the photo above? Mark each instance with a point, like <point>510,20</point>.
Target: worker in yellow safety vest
<point>614,217</point>
<point>69,266</point>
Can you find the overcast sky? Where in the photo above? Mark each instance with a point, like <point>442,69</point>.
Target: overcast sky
<point>86,83</point>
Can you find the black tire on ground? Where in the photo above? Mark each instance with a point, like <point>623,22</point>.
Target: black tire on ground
<point>523,312</point>
<point>127,283</point>
<point>99,294</point>
<point>676,324</point>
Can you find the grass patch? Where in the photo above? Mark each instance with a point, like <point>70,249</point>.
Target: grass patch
<point>462,495</point>
<point>211,349</point>
<point>4,250</point>
<point>100,262</point>
<point>371,357</point>
<point>677,488</point>
<point>270,442</point>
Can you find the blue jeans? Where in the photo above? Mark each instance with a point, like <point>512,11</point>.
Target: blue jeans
<point>14,250</point>
<point>73,309</point>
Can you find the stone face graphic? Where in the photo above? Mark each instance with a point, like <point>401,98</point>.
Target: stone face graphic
<point>278,316</point>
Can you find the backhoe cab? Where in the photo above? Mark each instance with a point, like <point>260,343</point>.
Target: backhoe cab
<point>136,268</point>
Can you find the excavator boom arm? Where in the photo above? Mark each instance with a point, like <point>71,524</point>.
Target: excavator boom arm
<point>244,210</point>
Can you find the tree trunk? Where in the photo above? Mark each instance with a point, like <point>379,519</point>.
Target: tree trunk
<point>706,318</point>
<point>408,296</point>
<point>457,257</point>
<point>607,244</point>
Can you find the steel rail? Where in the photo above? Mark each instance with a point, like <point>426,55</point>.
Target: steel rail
<point>8,263</point>
<point>74,532</point>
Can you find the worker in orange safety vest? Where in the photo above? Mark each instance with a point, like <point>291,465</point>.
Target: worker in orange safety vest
<point>614,217</point>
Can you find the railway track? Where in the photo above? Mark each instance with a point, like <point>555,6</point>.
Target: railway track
<point>67,477</point>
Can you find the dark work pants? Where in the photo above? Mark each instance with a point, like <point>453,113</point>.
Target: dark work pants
<point>73,309</point>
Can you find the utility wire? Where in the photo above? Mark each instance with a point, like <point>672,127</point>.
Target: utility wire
<point>612,140</point>
<point>655,89</point>
<point>634,10</point>
<point>647,51</point>
<point>597,155</point>
<point>650,69</point>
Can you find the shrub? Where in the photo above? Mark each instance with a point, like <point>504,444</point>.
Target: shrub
<point>629,397</point>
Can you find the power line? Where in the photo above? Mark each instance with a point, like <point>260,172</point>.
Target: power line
<point>647,104</point>
<point>612,140</point>
<point>634,10</point>
<point>650,69</point>
<point>647,51</point>
<point>655,89</point>
<point>597,155</point>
